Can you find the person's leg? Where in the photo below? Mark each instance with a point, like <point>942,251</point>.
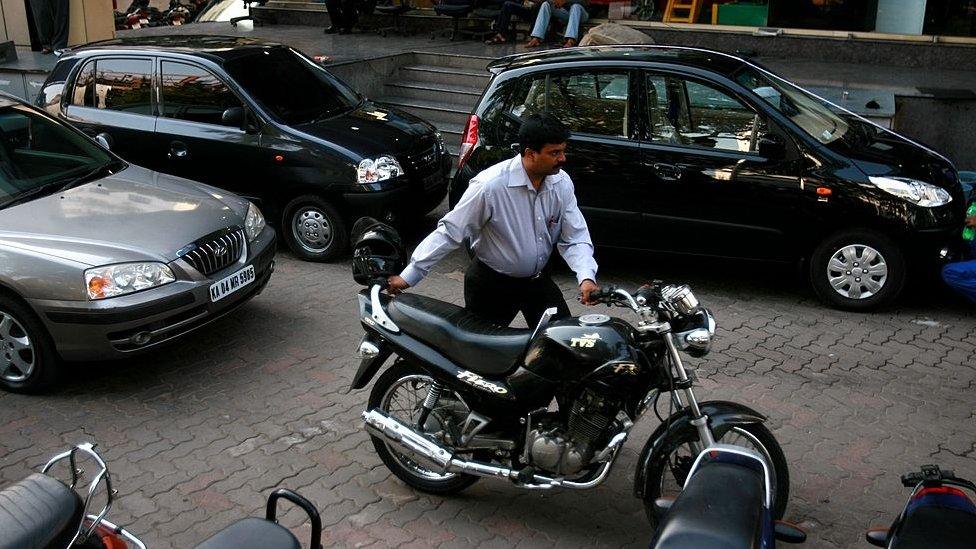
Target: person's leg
<point>336,21</point>
<point>541,295</point>
<point>961,277</point>
<point>542,21</point>
<point>41,10</point>
<point>577,16</point>
<point>504,22</point>
<point>486,296</point>
<point>59,24</point>
<point>350,17</point>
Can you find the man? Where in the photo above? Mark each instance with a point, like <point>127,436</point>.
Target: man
<point>572,11</point>
<point>51,19</point>
<point>503,23</point>
<point>514,213</point>
<point>342,16</point>
<point>961,275</point>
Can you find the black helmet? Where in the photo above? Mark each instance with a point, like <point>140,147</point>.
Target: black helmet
<point>377,251</point>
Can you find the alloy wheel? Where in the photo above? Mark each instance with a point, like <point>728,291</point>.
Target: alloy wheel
<point>17,357</point>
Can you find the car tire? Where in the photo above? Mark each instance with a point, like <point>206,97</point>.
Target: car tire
<point>837,262</point>
<point>29,362</point>
<point>313,229</point>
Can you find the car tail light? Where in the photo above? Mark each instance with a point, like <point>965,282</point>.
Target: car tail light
<point>469,138</point>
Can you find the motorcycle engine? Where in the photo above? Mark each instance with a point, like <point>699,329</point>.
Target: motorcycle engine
<point>567,449</point>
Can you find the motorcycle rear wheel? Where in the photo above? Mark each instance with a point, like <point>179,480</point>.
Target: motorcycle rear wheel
<point>399,391</point>
<point>667,476</point>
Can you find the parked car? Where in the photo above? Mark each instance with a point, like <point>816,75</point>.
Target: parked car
<point>102,259</point>
<point>258,119</point>
<point>693,151</point>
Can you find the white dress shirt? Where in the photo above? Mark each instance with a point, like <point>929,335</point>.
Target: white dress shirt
<point>512,227</point>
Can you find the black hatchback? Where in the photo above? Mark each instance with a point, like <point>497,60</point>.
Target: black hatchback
<point>259,119</point>
<point>694,151</point>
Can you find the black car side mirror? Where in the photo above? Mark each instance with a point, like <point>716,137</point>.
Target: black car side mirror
<point>772,147</point>
<point>233,116</point>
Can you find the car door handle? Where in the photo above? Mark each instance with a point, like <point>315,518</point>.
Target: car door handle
<point>667,172</point>
<point>178,151</point>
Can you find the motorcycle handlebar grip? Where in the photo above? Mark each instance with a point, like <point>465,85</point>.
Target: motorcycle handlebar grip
<point>304,504</point>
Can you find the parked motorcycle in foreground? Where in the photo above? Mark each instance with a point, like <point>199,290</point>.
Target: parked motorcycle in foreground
<point>938,515</point>
<point>725,504</point>
<point>466,399</point>
<point>41,512</point>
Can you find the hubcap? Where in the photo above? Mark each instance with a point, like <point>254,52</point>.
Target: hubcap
<point>857,271</point>
<point>312,229</point>
<point>16,352</point>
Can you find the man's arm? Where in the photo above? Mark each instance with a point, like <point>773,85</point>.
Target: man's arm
<point>575,244</point>
<point>464,221</point>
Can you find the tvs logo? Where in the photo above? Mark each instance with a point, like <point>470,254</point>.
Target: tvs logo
<point>586,341</point>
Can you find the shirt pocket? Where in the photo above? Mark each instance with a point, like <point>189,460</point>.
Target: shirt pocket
<point>554,225</point>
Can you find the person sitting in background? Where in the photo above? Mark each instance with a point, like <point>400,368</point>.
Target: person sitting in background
<point>503,23</point>
<point>961,275</point>
<point>572,11</point>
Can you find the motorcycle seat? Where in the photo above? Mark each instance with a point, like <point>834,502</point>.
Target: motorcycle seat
<point>471,342</point>
<point>37,512</point>
<point>721,507</point>
<point>936,526</point>
<point>252,533</point>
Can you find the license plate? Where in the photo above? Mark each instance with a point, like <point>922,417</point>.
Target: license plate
<point>228,285</point>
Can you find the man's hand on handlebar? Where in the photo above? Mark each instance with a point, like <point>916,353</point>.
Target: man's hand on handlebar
<point>395,285</point>
<point>586,289</point>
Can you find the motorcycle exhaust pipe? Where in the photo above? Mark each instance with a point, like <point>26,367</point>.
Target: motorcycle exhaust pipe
<point>431,455</point>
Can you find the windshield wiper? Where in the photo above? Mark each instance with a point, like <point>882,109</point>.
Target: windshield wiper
<point>57,186</point>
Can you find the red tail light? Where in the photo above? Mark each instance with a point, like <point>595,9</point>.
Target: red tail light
<point>469,138</point>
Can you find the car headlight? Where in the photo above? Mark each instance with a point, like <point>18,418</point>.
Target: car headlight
<point>125,278</point>
<point>380,169</point>
<point>912,190</point>
<point>253,222</point>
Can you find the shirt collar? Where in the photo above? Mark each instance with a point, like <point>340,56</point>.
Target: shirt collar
<point>518,178</point>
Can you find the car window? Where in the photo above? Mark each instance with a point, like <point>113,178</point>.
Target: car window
<point>691,113</point>
<point>594,103</point>
<point>36,151</point>
<point>194,94</point>
<point>115,84</point>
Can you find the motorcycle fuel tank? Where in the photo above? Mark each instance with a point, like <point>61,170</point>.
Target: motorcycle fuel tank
<point>572,348</point>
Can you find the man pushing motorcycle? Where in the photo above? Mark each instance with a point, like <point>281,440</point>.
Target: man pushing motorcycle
<point>514,213</point>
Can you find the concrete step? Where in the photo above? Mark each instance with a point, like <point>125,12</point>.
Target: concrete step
<point>467,62</point>
<point>409,89</point>
<point>436,112</point>
<point>449,76</point>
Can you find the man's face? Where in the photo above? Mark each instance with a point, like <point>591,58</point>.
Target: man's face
<point>549,160</point>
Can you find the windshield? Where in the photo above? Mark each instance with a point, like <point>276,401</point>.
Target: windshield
<point>291,86</point>
<point>813,115</point>
<point>37,154</point>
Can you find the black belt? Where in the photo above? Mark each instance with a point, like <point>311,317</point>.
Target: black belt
<point>484,267</point>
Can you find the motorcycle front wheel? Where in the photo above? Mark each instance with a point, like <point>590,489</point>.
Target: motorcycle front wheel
<point>400,392</point>
<point>667,475</point>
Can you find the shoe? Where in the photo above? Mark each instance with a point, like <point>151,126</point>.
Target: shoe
<point>332,30</point>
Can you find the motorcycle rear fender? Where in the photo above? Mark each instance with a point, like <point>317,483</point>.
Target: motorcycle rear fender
<point>722,416</point>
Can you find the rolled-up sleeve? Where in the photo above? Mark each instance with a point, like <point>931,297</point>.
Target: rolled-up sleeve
<point>464,221</point>
<point>574,243</point>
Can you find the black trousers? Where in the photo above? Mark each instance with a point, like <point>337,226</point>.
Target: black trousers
<point>499,298</point>
<point>342,13</point>
<point>503,23</point>
<point>51,18</point>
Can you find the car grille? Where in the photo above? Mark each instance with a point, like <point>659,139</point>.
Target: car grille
<point>216,251</point>
<point>423,160</point>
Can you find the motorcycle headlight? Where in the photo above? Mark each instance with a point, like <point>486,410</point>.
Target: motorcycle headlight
<point>380,169</point>
<point>253,222</point>
<point>125,278</point>
<point>917,192</point>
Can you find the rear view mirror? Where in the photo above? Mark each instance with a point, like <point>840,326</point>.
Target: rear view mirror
<point>771,147</point>
<point>105,140</point>
<point>233,116</point>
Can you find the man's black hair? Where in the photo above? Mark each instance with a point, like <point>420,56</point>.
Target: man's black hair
<point>539,130</point>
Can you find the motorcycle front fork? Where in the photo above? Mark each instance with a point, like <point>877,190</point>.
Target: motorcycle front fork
<point>698,419</point>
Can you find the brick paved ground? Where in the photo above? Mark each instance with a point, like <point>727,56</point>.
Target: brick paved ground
<point>197,433</point>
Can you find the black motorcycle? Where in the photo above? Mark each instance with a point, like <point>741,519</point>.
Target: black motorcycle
<point>939,514</point>
<point>466,399</point>
<point>42,512</point>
